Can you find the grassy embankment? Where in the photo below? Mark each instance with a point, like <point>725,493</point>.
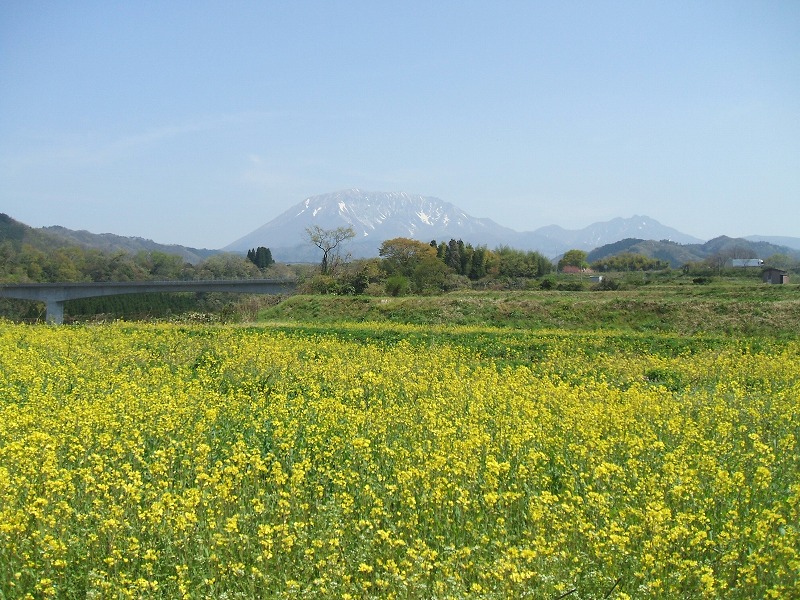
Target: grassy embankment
<point>736,307</point>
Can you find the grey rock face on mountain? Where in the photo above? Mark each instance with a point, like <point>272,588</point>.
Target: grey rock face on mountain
<point>379,216</point>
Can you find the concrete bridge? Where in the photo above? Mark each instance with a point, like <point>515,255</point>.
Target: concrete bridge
<point>55,294</point>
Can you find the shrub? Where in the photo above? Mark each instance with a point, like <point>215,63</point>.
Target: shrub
<point>571,286</point>
<point>607,284</point>
<point>397,285</point>
<point>548,283</point>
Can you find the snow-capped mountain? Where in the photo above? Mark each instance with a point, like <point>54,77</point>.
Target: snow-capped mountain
<point>380,216</point>
<point>559,240</point>
<point>375,217</point>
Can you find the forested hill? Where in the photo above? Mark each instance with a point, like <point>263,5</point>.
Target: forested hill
<point>53,254</point>
<point>49,238</point>
<point>677,255</point>
<point>14,233</point>
<point>110,242</point>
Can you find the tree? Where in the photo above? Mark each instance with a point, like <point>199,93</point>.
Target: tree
<point>429,274</point>
<point>413,261</point>
<point>260,257</point>
<point>781,261</point>
<point>515,263</point>
<point>629,261</point>
<point>160,265</point>
<point>226,266</point>
<point>401,256</point>
<point>328,240</point>
<point>30,260</point>
<point>478,264</point>
<point>441,251</point>
<point>452,257</point>
<point>573,258</point>
<point>716,261</point>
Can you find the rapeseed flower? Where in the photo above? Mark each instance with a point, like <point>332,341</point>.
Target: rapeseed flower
<point>199,461</point>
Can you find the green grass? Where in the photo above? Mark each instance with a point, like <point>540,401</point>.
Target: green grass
<point>750,309</point>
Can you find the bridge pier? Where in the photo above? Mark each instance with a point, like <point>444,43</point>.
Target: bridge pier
<point>54,311</point>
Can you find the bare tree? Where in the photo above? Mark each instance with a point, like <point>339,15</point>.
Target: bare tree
<point>327,240</point>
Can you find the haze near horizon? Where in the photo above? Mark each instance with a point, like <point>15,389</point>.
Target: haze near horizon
<point>195,123</point>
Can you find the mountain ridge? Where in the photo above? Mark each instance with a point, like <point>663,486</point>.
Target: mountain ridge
<point>378,216</point>
<point>56,236</point>
<point>677,255</point>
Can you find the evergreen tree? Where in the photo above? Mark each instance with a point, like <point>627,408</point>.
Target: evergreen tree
<point>260,257</point>
<point>452,256</point>
<point>465,252</point>
<point>263,257</point>
<point>478,267</point>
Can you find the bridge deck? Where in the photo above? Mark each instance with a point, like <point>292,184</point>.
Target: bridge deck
<point>55,294</point>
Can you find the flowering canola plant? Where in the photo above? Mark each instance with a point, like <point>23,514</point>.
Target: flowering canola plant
<point>205,462</point>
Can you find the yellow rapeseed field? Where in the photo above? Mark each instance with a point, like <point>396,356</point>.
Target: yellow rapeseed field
<point>141,461</point>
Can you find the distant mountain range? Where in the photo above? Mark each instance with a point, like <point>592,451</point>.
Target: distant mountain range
<point>789,242</point>
<point>379,216</point>
<point>681,254</point>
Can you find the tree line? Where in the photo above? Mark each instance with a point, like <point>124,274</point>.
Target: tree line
<point>25,263</point>
<point>406,265</point>
<point>403,266</point>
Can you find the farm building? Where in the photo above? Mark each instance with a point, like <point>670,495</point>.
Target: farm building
<point>773,275</point>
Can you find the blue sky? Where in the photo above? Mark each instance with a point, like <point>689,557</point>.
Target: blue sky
<point>197,122</point>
